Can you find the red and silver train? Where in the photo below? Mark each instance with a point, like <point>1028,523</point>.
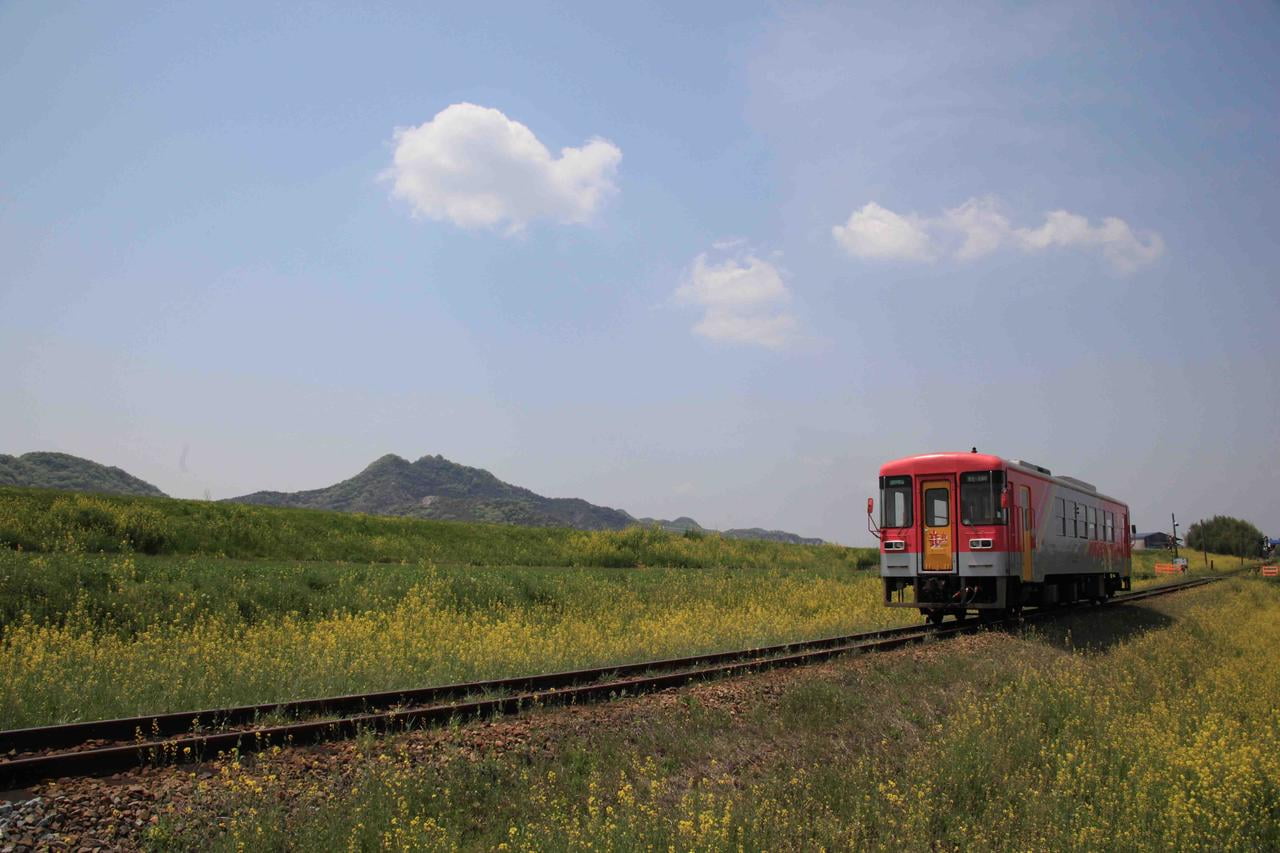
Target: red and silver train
<point>971,531</point>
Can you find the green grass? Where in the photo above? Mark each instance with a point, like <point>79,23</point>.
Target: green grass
<point>125,564</point>
<point>124,594</point>
<point>50,521</point>
<point>1144,561</point>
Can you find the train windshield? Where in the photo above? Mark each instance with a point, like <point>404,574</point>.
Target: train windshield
<point>895,501</point>
<point>980,497</point>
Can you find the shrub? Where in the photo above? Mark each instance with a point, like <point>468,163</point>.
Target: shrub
<point>81,523</point>
<point>1226,535</point>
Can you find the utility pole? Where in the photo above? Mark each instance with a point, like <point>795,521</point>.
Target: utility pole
<point>1175,535</point>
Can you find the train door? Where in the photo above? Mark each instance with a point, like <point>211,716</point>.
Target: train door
<point>937,527</point>
<point>1027,520</point>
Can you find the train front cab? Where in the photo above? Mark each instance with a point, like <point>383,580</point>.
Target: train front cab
<point>944,543</point>
<point>962,531</point>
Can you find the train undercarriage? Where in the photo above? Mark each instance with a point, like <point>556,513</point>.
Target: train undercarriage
<point>936,596</point>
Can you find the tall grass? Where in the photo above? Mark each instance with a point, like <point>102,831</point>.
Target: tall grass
<point>49,521</point>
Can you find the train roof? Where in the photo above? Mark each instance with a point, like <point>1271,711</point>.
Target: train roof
<point>932,463</point>
<point>936,463</point>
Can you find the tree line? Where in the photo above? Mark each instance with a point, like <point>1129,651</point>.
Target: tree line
<point>1223,534</point>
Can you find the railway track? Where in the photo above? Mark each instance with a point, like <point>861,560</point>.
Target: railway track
<point>110,746</point>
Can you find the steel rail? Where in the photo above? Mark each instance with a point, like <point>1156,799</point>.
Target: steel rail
<point>402,710</point>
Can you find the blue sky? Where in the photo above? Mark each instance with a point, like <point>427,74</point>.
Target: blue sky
<point>709,259</point>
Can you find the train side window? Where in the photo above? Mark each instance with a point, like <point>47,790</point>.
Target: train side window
<point>1062,517</point>
<point>1093,522</point>
<point>1108,526</point>
<point>1082,522</point>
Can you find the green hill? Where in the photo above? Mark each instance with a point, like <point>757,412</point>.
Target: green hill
<point>70,473</point>
<point>433,487</point>
<point>685,524</point>
<point>436,488</point>
<point>770,536</point>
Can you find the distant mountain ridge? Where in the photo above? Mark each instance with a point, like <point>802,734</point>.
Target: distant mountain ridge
<point>685,524</point>
<point>46,470</point>
<point>434,487</point>
<point>771,536</point>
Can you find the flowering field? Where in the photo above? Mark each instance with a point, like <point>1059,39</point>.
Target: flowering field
<point>88,635</point>
<point>1167,738</point>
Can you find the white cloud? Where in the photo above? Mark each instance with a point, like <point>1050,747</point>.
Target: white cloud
<point>978,227</point>
<point>477,168</point>
<point>764,329</point>
<point>981,224</point>
<point>743,300</point>
<point>1124,249</point>
<point>874,232</point>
